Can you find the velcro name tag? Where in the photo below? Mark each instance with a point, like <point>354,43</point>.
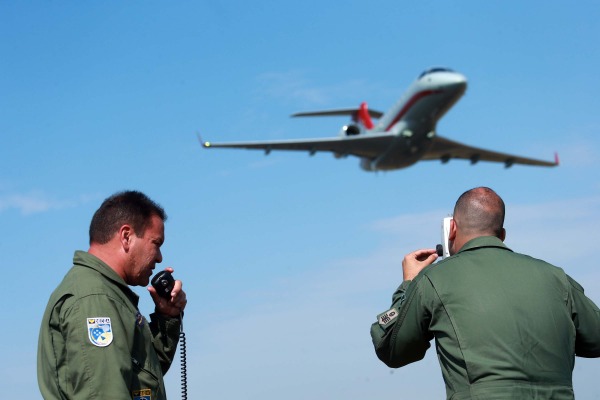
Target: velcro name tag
<point>144,394</point>
<point>387,317</point>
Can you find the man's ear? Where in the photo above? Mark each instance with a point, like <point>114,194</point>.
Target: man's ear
<point>125,236</point>
<point>452,233</point>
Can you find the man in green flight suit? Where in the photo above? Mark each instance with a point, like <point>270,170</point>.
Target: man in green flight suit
<point>93,342</point>
<point>506,326</point>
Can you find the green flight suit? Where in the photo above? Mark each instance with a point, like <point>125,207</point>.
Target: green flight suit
<point>94,343</point>
<point>506,326</point>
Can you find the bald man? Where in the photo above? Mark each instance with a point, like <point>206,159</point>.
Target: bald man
<point>506,325</point>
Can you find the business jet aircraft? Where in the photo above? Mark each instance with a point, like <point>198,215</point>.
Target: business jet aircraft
<point>402,136</point>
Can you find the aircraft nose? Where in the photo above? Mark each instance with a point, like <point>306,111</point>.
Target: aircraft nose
<point>447,79</point>
<point>454,82</point>
<point>456,79</point>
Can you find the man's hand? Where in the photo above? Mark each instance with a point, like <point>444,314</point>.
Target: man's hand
<point>173,306</point>
<point>414,262</point>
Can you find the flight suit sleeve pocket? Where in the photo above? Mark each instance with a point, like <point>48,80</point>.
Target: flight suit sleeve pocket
<point>386,319</point>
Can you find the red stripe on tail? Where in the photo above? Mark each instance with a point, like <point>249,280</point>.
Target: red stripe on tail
<point>364,117</point>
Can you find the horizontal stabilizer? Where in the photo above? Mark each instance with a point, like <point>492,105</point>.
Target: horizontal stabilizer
<point>342,111</point>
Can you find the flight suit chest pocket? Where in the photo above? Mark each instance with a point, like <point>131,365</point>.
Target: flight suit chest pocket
<point>145,383</point>
<point>146,377</point>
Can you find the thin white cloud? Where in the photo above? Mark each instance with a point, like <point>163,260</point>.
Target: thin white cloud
<point>563,232</point>
<point>579,154</point>
<point>581,149</point>
<point>26,203</point>
<point>37,202</point>
<point>293,86</point>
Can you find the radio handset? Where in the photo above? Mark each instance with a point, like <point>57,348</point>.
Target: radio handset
<point>163,283</point>
<point>443,250</point>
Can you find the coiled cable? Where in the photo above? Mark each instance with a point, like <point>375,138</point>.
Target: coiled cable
<point>183,357</point>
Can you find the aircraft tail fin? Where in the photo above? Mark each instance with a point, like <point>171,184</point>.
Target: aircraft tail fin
<point>363,116</point>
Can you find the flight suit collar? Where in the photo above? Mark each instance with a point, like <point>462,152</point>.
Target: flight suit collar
<point>483,241</point>
<point>85,259</point>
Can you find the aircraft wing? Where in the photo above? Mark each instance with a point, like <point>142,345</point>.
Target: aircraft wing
<point>370,145</point>
<point>445,149</point>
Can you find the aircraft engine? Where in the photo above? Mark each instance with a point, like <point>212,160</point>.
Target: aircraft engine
<point>367,164</point>
<point>350,130</point>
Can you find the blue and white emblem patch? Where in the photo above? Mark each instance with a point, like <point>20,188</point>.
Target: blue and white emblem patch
<point>100,331</point>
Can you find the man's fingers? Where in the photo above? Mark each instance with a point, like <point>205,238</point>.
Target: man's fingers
<point>424,254</point>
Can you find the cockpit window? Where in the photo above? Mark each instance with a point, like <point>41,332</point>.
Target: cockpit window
<point>432,70</point>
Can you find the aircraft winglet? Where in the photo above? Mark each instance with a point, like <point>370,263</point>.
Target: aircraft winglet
<point>202,142</point>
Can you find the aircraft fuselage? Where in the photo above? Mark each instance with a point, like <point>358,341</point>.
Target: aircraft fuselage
<point>413,119</point>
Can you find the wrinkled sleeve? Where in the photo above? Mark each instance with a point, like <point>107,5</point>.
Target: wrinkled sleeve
<point>586,317</point>
<point>400,335</point>
<point>95,371</point>
<point>165,336</point>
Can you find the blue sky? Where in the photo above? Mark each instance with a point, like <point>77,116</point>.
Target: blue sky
<point>286,259</point>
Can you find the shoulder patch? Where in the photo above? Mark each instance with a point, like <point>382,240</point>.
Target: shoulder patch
<point>387,317</point>
<point>99,331</point>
